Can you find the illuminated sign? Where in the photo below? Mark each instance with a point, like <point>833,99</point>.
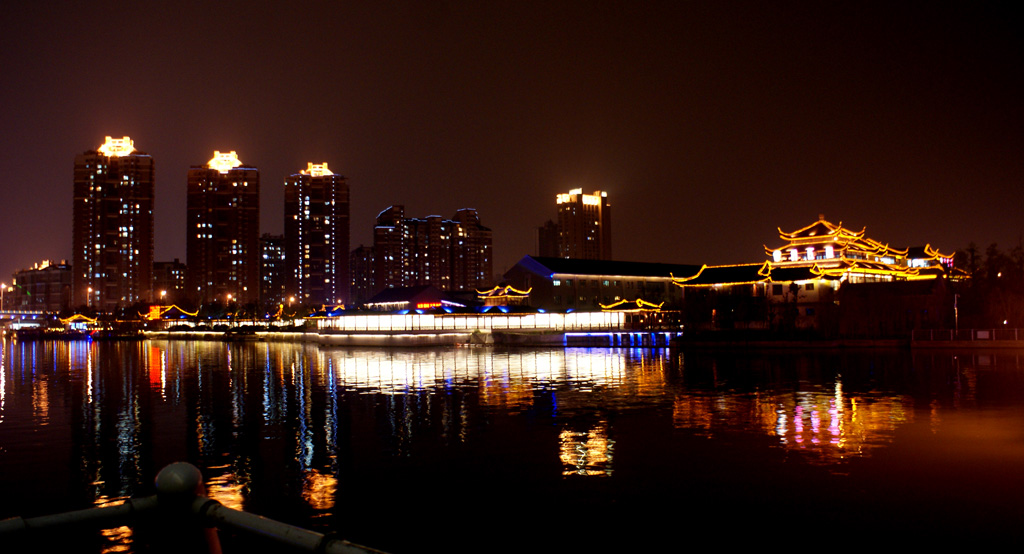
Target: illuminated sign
<point>113,147</point>
<point>224,162</point>
<point>316,170</point>
<point>425,305</point>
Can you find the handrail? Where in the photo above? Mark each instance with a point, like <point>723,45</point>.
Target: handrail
<point>980,335</point>
<point>176,486</point>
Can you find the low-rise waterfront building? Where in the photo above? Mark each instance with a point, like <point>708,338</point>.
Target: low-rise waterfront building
<point>574,284</point>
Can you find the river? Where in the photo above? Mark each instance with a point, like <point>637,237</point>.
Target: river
<point>503,450</point>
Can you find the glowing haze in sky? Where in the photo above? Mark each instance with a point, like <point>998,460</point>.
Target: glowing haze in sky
<point>708,123</point>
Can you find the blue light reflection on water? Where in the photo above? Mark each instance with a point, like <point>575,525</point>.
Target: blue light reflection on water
<point>367,442</point>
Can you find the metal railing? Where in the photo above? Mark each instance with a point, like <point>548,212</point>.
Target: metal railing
<point>178,486</point>
<point>967,335</point>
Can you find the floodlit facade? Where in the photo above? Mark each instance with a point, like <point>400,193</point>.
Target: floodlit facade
<point>584,225</point>
<point>223,230</point>
<point>316,230</point>
<point>113,226</point>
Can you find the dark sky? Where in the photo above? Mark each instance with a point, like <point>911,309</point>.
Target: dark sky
<point>708,123</point>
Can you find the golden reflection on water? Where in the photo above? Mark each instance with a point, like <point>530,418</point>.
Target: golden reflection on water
<point>829,425</point>
<point>226,488</point>
<point>40,402</point>
<point>116,539</point>
<point>586,452</point>
<point>318,490</point>
<point>586,370</point>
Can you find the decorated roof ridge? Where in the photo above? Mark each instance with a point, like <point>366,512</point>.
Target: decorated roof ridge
<point>831,229</point>
<point>694,276</point>
<point>611,268</point>
<point>867,266</point>
<point>77,317</point>
<point>641,304</point>
<point>706,266</point>
<point>841,235</point>
<point>934,253</point>
<point>504,291</point>
<point>834,239</point>
<point>862,244</point>
<point>768,267</point>
<point>156,312</point>
<point>688,281</point>
<point>326,310</point>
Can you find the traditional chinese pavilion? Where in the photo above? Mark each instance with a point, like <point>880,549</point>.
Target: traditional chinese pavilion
<point>806,268</point>
<point>824,251</point>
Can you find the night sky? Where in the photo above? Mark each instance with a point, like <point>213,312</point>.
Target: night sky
<point>709,123</point>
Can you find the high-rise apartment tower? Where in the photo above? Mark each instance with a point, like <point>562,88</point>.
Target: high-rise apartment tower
<point>449,254</point>
<point>223,231</point>
<point>112,262</point>
<point>584,225</point>
<point>316,234</point>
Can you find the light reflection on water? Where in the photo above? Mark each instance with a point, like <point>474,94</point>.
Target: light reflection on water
<point>288,430</point>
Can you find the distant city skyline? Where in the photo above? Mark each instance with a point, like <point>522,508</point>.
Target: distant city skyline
<point>708,124</point>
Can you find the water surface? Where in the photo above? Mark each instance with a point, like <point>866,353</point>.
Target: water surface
<point>483,449</point>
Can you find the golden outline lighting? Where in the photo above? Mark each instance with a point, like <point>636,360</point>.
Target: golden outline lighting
<point>826,251</point>
<point>114,148</point>
<point>641,305</point>
<point>157,312</point>
<point>77,318</point>
<point>507,290</point>
<point>316,170</point>
<point>224,162</point>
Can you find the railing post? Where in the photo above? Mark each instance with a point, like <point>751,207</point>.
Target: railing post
<point>177,487</point>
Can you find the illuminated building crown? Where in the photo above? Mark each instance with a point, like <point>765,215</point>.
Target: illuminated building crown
<point>224,162</point>
<point>316,170</point>
<point>114,148</point>
<point>586,199</point>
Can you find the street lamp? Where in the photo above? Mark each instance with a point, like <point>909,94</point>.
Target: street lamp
<point>88,299</point>
<point>163,296</point>
<point>3,287</point>
<point>956,314</point>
